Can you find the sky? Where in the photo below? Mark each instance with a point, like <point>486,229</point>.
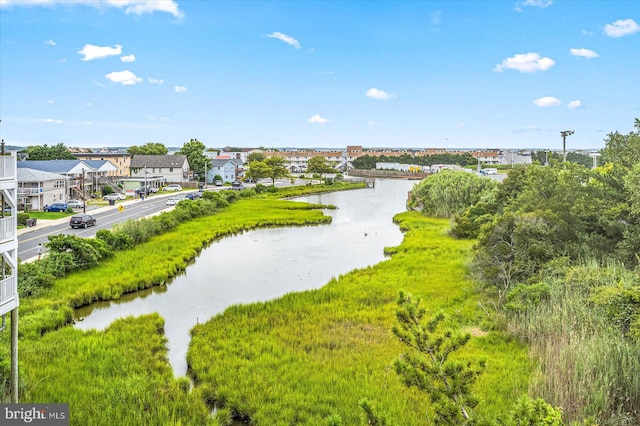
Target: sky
<point>318,74</point>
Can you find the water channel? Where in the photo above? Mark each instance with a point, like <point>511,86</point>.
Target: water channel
<point>265,264</point>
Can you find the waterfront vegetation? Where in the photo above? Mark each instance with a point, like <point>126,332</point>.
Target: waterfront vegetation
<point>541,271</point>
<point>314,355</point>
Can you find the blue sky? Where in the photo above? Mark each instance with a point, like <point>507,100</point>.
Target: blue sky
<point>454,74</point>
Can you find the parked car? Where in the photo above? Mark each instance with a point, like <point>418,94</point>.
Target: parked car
<point>146,190</point>
<point>82,221</point>
<point>114,196</point>
<point>218,182</point>
<point>75,204</point>
<point>172,187</point>
<point>56,207</point>
<point>238,186</point>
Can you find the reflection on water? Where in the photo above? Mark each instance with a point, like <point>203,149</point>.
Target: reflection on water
<point>265,264</point>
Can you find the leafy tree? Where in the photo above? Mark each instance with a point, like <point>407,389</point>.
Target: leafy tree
<point>319,164</point>
<point>198,162</point>
<point>449,193</point>
<point>150,148</point>
<point>44,152</point>
<point>623,149</point>
<point>365,162</point>
<point>258,170</point>
<point>427,366</point>
<point>255,156</point>
<point>277,168</point>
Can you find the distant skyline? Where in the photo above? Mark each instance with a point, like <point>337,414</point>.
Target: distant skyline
<point>449,74</point>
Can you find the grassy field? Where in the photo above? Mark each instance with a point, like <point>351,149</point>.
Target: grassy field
<point>296,359</point>
<point>314,354</point>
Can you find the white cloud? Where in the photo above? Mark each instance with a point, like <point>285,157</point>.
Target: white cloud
<point>575,104</point>
<point>526,62</point>
<point>283,37</point>
<point>372,123</point>
<point>136,7</point>
<point>527,129</point>
<point>50,101</point>
<point>378,94</point>
<point>128,58</point>
<point>49,42</point>
<point>154,81</point>
<point>547,101</point>
<point>179,89</point>
<point>316,119</point>
<point>586,33</point>
<point>63,60</point>
<point>532,3</point>
<point>163,119</point>
<point>584,53</point>
<point>126,78</point>
<point>621,27</point>
<point>49,120</point>
<point>91,52</point>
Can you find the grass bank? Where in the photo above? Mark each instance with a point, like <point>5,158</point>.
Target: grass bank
<point>310,355</point>
<point>122,375</point>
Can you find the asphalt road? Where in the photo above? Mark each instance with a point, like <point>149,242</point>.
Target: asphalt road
<point>106,217</point>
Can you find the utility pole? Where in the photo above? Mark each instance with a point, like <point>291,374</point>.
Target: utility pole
<point>564,135</point>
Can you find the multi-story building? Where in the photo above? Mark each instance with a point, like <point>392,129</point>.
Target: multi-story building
<point>8,237</point>
<point>121,160</point>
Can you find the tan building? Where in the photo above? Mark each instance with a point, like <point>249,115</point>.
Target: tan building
<point>121,160</point>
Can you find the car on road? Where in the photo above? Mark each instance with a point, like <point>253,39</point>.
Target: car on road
<point>75,204</point>
<point>238,186</point>
<point>114,196</point>
<point>172,187</point>
<point>56,207</point>
<point>82,221</point>
<point>194,195</point>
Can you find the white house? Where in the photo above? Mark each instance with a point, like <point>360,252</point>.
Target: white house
<point>37,189</point>
<point>171,168</point>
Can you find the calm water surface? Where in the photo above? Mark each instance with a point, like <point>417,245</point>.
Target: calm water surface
<point>264,264</point>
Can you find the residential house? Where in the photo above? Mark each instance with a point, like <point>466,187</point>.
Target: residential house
<point>223,167</point>
<point>82,177</point>
<point>168,168</point>
<point>37,189</point>
<point>121,160</point>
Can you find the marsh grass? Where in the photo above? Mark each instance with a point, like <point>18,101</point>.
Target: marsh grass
<point>121,376</point>
<point>311,355</point>
<point>585,365</point>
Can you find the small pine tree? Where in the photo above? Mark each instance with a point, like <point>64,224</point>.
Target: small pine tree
<point>427,365</point>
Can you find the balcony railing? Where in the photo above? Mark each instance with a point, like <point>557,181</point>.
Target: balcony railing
<point>8,228</point>
<point>29,191</point>
<point>8,294</point>
<point>8,167</point>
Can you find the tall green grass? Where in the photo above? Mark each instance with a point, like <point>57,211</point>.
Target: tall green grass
<point>311,355</point>
<point>585,364</point>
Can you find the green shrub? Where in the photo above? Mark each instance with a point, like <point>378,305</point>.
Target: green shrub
<point>22,219</point>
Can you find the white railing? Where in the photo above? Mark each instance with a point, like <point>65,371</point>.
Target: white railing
<point>8,228</point>
<point>8,294</point>
<point>8,167</point>
<point>29,191</point>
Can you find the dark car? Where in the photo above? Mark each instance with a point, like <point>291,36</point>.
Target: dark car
<point>56,207</point>
<point>82,221</point>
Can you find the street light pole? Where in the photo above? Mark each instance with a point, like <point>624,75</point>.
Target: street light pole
<point>564,135</point>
